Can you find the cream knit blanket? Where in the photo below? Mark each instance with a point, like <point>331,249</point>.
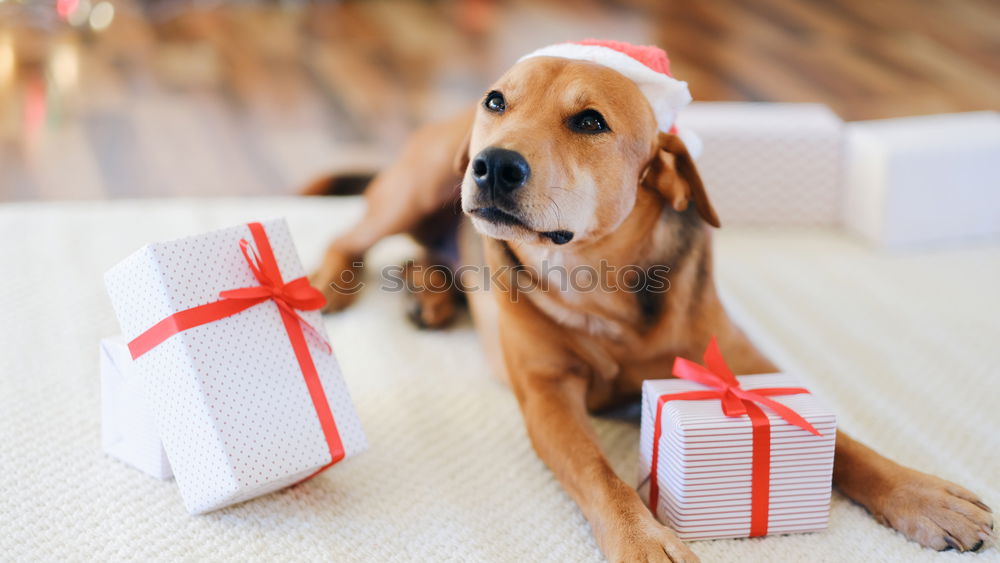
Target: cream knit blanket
<point>905,347</point>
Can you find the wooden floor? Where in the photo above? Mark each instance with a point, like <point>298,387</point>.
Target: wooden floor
<point>257,98</point>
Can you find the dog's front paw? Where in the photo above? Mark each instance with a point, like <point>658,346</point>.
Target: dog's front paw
<point>434,295</point>
<point>339,278</point>
<point>648,541</point>
<point>935,513</point>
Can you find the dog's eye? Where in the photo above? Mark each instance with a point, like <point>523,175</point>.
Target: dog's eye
<point>494,102</point>
<point>589,121</point>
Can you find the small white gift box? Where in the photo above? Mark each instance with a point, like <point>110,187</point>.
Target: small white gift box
<point>709,475</point>
<point>924,180</point>
<point>232,356</point>
<point>127,429</point>
<point>770,163</point>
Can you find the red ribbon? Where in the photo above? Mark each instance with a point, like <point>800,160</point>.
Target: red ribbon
<point>289,297</point>
<point>736,401</point>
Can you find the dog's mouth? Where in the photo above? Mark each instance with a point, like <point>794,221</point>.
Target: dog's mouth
<point>498,216</point>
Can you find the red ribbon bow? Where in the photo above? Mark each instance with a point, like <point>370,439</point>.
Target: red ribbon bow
<point>296,295</point>
<point>736,401</point>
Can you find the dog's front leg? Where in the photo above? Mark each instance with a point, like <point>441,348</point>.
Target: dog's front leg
<point>558,424</point>
<point>927,509</point>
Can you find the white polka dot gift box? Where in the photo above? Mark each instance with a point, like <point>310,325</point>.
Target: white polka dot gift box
<point>231,351</point>
<point>730,457</point>
<point>127,428</point>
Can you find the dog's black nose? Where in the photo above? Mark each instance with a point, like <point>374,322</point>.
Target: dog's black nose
<point>500,170</point>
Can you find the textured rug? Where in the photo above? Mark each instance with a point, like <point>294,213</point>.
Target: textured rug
<point>904,346</point>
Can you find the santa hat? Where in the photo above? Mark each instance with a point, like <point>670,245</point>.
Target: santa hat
<point>648,67</point>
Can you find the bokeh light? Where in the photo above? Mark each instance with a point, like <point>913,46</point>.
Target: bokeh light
<point>8,61</point>
<point>64,65</point>
<point>101,16</point>
<point>66,7</point>
<point>80,14</point>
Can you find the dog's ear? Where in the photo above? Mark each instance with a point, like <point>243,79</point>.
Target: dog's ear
<point>673,175</point>
<point>462,156</point>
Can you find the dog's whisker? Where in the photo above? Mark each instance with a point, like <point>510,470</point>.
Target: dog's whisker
<point>456,204</point>
<point>557,209</point>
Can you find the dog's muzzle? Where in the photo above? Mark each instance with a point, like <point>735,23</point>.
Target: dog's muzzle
<point>498,172</point>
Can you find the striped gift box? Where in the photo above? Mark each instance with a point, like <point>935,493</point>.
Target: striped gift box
<point>709,475</point>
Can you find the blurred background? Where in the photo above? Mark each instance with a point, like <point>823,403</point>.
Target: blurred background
<point>133,98</point>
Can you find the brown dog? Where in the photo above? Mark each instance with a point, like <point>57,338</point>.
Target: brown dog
<point>569,168</point>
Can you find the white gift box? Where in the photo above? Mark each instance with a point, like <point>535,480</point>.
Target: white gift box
<point>704,461</point>
<point>770,163</point>
<point>127,428</point>
<point>230,398</point>
<point>926,179</point>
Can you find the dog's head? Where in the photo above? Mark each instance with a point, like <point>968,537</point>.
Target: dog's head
<point>559,149</point>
